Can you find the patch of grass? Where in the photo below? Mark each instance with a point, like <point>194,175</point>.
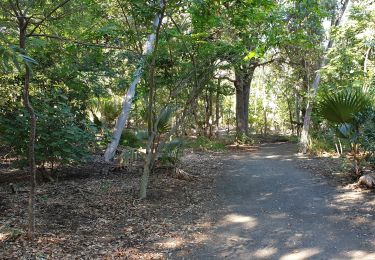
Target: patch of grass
<point>319,146</point>
<point>206,144</point>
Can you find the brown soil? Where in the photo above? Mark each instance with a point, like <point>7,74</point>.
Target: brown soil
<point>338,171</point>
<point>88,215</point>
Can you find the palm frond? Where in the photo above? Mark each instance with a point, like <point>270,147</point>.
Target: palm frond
<point>342,107</point>
<point>163,120</point>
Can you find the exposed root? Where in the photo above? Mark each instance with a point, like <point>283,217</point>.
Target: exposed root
<point>367,180</point>
<point>182,175</point>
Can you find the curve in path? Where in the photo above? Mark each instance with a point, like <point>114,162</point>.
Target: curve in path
<point>275,210</point>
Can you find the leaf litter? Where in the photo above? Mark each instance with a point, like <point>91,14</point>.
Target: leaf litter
<point>88,215</point>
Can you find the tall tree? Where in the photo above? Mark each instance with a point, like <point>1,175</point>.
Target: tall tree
<point>29,19</point>
<point>129,96</point>
<point>335,22</point>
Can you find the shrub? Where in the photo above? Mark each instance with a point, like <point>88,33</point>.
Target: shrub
<point>205,143</point>
<point>130,139</point>
<point>60,137</point>
<point>367,137</point>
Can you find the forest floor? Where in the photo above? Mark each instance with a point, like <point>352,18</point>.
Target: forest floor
<point>246,203</point>
<point>88,215</point>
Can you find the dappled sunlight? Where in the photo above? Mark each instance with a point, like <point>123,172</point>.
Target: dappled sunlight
<point>4,236</point>
<point>52,239</point>
<point>290,189</point>
<point>294,240</point>
<point>171,243</point>
<point>279,216</point>
<point>350,196</point>
<point>200,238</point>
<point>359,254</point>
<point>272,156</point>
<point>301,254</point>
<point>265,253</point>
<point>245,221</point>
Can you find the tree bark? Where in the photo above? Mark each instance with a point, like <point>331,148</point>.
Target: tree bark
<point>22,23</point>
<point>128,98</point>
<point>217,108</point>
<point>152,128</point>
<point>304,141</point>
<point>242,83</point>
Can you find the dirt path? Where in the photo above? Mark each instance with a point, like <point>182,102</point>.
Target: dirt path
<point>274,210</point>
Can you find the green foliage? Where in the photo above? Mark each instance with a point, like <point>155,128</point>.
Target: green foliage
<point>367,137</point>
<point>60,138</point>
<point>319,146</point>
<point>172,152</point>
<point>341,107</point>
<point>164,118</point>
<point>206,144</point>
<point>131,139</point>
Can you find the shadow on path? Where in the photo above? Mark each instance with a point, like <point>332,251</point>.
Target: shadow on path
<point>274,210</point>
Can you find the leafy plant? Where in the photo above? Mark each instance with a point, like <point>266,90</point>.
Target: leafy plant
<point>172,152</point>
<point>342,108</point>
<point>367,137</point>
<point>130,139</point>
<point>60,137</point>
<point>164,118</point>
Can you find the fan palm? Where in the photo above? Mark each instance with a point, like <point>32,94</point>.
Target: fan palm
<point>341,108</point>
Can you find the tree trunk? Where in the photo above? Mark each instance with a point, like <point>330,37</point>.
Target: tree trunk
<point>297,111</point>
<point>152,128</point>
<point>304,141</point>
<point>290,116</point>
<point>243,78</point>
<point>217,108</point>
<point>32,121</point>
<point>207,114</point>
<point>210,112</point>
<point>128,98</point>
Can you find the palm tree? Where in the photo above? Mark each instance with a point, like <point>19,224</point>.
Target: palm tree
<point>342,108</point>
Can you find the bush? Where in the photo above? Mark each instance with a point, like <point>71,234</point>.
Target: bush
<point>172,152</point>
<point>205,143</point>
<point>60,137</point>
<point>367,137</point>
<point>130,139</point>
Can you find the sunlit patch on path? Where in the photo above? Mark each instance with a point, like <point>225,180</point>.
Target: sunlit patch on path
<point>272,209</point>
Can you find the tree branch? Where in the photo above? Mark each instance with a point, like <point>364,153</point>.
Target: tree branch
<point>225,77</point>
<point>48,16</point>
<point>57,37</point>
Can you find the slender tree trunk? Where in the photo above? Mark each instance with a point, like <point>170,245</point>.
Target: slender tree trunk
<point>210,113</point>
<point>152,128</point>
<point>290,116</point>
<point>217,108</point>
<point>32,121</point>
<point>304,141</point>
<point>365,74</point>
<point>128,98</point>
<point>207,114</point>
<point>297,111</point>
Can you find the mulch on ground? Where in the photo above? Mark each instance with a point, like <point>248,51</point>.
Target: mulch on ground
<point>89,215</point>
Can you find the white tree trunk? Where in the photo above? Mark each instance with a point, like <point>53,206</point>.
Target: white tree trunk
<point>128,98</point>
<point>304,142</point>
